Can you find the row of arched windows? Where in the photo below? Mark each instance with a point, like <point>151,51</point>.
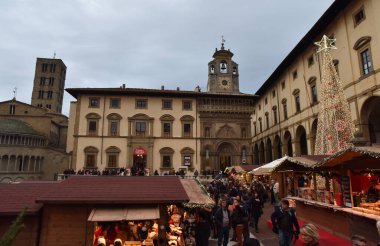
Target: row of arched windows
<point>21,163</point>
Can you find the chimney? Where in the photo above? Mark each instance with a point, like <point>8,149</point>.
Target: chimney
<point>123,86</point>
<point>162,87</point>
<point>177,88</point>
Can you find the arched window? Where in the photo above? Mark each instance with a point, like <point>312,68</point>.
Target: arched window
<point>212,69</point>
<point>223,67</point>
<point>114,124</point>
<point>363,47</point>
<point>91,154</point>
<point>166,157</point>
<point>297,100</point>
<point>112,156</point>
<point>313,90</point>
<point>92,124</point>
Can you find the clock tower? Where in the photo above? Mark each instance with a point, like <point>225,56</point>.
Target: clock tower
<point>223,73</point>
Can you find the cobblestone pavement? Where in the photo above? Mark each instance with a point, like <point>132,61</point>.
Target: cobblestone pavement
<point>265,235</point>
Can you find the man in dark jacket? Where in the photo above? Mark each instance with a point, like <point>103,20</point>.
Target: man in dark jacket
<point>222,223</point>
<point>283,221</point>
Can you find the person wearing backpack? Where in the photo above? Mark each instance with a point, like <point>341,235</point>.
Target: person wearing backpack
<point>283,221</point>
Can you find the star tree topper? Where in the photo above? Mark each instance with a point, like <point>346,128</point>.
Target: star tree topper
<point>325,44</point>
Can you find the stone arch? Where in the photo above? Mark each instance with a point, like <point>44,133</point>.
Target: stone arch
<point>268,151</point>
<point>140,117</point>
<point>287,144</point>
<point>18,179</point>
<point>256,154</point>
<point>226,152</point>
<point>167,117</point>
<point>6,180</point>
<point>114,116</point>
<point>361,42</point>
<point>113,149</point>
<point>187,118</point>
<point>301,141</point>
<point>277,147</point>
<point>92,116</point>
<point>370,120</point>
<point>261,153</point>
<point>313,135</point>
<point>4,163</point>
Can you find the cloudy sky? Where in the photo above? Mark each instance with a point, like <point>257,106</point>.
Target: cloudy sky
<point>146,44</point>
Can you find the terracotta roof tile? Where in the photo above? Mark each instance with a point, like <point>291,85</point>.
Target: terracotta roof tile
<point>117,189</point>
<point>16,196</point>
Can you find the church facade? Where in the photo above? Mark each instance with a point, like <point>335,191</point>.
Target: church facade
<point>163,130</point>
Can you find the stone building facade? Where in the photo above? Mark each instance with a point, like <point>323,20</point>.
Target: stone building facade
<point>32,142</point>
<point>163,129</point>
<point>284,119</point>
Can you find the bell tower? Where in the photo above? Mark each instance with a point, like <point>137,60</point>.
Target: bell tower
<point>223,72</point>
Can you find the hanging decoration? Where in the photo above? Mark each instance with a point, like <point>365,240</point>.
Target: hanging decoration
<point>335,129</point>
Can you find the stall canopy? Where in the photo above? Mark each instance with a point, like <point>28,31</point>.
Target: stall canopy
<point>268,168</point>
<point>353,158</point>
<point>241,169</point>
<point>197,194</point>
<point>299,163</point>
<point>119,214</point>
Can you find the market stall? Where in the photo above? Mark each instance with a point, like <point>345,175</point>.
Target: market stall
<point>346,194</point>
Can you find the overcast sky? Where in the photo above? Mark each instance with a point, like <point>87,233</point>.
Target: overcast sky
<point>146,44</point>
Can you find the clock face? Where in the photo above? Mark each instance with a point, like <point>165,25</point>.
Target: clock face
<point>225,84</point>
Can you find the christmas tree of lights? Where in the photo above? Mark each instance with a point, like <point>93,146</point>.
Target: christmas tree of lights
<point>335,128</point>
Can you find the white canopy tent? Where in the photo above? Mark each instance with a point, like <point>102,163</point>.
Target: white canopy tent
<point>269,167</point>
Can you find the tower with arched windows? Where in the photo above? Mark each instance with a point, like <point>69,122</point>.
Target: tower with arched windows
<point>223,73</point>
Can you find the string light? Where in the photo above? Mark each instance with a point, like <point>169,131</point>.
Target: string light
<point>335,129</point>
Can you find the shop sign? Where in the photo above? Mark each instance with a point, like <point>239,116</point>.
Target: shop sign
<point>139,152</point>
<point>187,161</point>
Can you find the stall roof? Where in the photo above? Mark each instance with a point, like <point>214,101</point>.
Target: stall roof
<point>117,190</point>
<point>129,213</point>
<point>352,158</point>
<point>268,168</point>
<point>15,197</point>
<point>300,163</point>
<point>242,168</point>
<point>198,195</point>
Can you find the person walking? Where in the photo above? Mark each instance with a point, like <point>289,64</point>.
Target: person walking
<point>222,223</point>
<point>256,209</point>
<point>284,220</point>
<point>202,229</point>
<point>310,235</point>
<point>238,217</point>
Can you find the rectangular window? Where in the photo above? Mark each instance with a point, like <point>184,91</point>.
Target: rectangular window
<point>186,105</point>
<point>48,106</point>
<point>141,103</point>
<point>90,160</point>
<point>166,104</point>
<point>366,62</point>
<point>267,120</point>
<point>266,101</point>
<point>52,68</point>
<point>298,103</point>
<point>314,94</point>
<point>42,81</point>
<point>44,67</point>
<point>92,125</point>
<point>115,103</point>
<point>310,60</point>
<point>167,129</point>
<point>166,161</point>
<point>283,85</point>
<point>285,111</point>
<point>51,81</point>
<point>261,126</point>
<point>275,116</point>
<point>187,130</point>
<point>114,131</point>
<point>94,103</point>
<point>49,95</point>
<point>207,132</point>
<point>41,94</point>
<point>359,16</point>
<point>273,93</point>
<point>112,160</point>
<point>140,129</point>
<point>12,109</point>
<point>295,75</point>
<point>243,132</point>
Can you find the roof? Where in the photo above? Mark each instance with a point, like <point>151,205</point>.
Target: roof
<point>315,32</point>
<point>12,126</point>
<point>75,92</point>
<point>353,158</point>
<point>242,168</point>
<point>16,196</point>
<point>117,190</point>
<point>268,168</point>
<point>197,194</point>
<point>300,163</point>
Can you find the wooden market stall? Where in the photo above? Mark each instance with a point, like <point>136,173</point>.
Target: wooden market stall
<point>343,205</point>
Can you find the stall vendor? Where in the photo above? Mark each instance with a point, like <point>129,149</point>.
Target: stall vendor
<point>373,192</point>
